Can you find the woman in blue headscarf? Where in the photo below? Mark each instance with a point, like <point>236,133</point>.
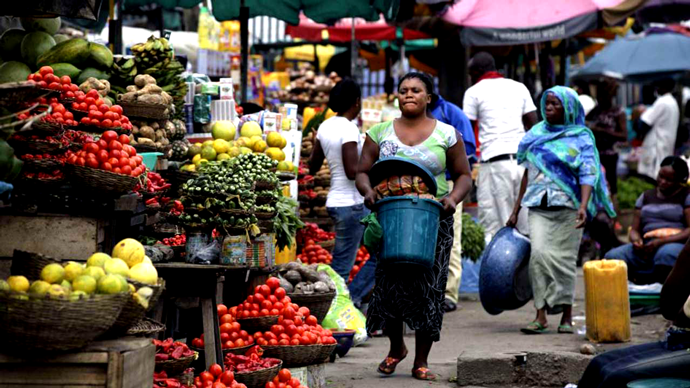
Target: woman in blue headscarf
<point>562,187</point>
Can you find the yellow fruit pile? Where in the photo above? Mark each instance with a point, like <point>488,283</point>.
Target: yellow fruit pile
<point>102,274</point>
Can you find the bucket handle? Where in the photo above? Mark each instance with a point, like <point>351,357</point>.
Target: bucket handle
<point>415,199</point>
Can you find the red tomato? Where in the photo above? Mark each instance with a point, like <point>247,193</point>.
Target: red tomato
<point>90,101</point>
<point>234,336</point>
<point>114,162</point>
<point>265,290</point>
<point>83,107</point>
<point>72,159</point>
<point>92,162</point>
<point>137,171</point>
<point>109,136</point>
<point>81,161</point>
<point>116,108</point>
<point>226,318</point>
<point>106,123</point>
<point>216,370</point>
<point>277,329</point>
<point>59,108</point>
<point>68,115</point>
<point>239,343</point>
<point>106,166</point>
<point>284,342</point>
<point>103,108</point>
<point>117,170</point>
<point>273,342</point>
<point>226,328</point>
<point>289,312</point>
<point>218,384</point>
<point>130,150</point>
<point>304,311</point>
<point>258,298</point>
<point>95,122</point>
<point>115,145</point>
<point>227,377</point>
<point>74,88</point>
<point>266,305</point>
<point>124,139</point>
<point>45,70</point>
<point>294,382</point>
<point>284,375</point>
<point>273,283</point>
<point>206,376</point>
<point>109,115</point>
<point>312,321</point>
<point>94,114</point>
<point>224,337</point>
<point>102,156</point>
<point>278,305</point>
<point>92,148</point>
<point>117,124</point>
<point>98,103</point>
<point>42,84</point>
<point>236,326</point>
<point>279,293</point>
<point>93,107</point>
<point>93,93</point>
<point>127,170</point>
<point>264,312</point>
<point>246,314</point>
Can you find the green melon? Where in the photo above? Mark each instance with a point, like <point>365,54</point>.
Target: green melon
<point>11,44</point>
<point>13,71</point>
<point>48,25</point>
<point>34,45</point>
<point>91,72</point>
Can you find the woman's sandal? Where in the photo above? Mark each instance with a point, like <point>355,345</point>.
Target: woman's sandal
<point>566,329</point>
<point>388,365</point>
<point>423,373</point>
<point>534,328</point>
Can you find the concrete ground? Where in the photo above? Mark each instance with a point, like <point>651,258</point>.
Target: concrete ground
<point>486,346</point>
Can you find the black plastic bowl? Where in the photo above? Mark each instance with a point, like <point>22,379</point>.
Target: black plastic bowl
<point>345,340</point>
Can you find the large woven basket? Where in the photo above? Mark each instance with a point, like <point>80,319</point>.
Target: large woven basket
<point>132,312</point>
<point>299,355</point>
<point>29,326</point>
<point>252,325</point>
<point>101,179</point>
<point>318,304</point>
<point>175,367</point>
<point>22,147</point>
<point>29,264</point>
<point>259,378</point>
<point>156,112</point>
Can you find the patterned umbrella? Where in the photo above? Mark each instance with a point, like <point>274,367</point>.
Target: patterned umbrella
<point>502,23</point>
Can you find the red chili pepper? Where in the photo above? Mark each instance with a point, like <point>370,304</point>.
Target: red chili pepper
<point>151,201</point>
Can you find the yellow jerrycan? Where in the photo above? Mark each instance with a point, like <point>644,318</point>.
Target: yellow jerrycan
<point>607,301</point>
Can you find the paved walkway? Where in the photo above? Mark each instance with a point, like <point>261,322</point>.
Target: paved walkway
<point>471,331</point>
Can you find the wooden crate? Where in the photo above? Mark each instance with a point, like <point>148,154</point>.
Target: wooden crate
<point>123,363</point>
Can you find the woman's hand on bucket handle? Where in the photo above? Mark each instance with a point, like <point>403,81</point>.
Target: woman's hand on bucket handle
<point>370,199</point>
<point>449,205</point>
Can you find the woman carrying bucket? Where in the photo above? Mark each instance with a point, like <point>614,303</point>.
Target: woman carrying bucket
<point>562,186</point>
<point>415,297</point>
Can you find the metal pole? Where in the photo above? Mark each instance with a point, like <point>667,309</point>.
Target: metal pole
<point>115,27</point>
<point>244,38</point>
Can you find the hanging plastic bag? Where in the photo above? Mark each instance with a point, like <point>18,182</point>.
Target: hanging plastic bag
<point>343,314</point>
<point>373,232</point>
<point>201,249</point>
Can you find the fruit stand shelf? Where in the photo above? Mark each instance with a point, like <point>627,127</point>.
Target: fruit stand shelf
<point>122,363</point>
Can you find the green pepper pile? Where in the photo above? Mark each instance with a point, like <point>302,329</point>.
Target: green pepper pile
<point>223,194</point>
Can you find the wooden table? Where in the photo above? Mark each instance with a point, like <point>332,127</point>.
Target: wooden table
<point>197,280</point>
<point>122,363</point>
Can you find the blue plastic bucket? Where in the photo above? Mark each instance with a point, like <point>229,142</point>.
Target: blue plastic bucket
<point>410,227</point>
<point>150,159</point>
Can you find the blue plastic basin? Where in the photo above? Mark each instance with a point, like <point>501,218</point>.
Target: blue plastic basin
<point>504,282</point>
<point>150,159</point>
<point>410,228</point>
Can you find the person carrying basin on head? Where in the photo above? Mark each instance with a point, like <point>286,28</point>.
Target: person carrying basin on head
<point>562,187</point>
<point>415,296</point>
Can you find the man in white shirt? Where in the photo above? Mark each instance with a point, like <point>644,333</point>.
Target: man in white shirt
<point>660,122</point>
<point>503,108</point>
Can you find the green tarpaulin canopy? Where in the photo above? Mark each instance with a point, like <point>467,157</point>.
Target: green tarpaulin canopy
<point>320,11</point>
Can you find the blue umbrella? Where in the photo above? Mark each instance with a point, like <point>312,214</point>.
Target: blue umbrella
<point>640,58</point>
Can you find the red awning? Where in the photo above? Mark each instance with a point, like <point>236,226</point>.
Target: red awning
<point>309,30</point>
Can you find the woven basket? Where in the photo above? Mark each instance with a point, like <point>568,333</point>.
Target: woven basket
<point>55,324</point>
<point>132,312</point>
<point>78,114</point>
<point>263,185</point>
<point>259,378</point>
<point>22,147</point>
<point>175,367</point>
<point>145,148</point>
<point>286,176</point>
<point>101,179</point>
<point>145,327</point>
<point>37,183</point>
<point>238,351</point>
<point>17,93</point>
<point>265,215</point>
<point>265,200</point>
<point>323,182</point>
<point>43,164</point>
<point>29,264</point>
<point>156,112</point>
<point>252,325</point>
<point>318,304</point>
<point>299,355</point>
<point>46,127</point>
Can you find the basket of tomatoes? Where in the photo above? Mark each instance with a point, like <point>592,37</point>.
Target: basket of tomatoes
<point>96,116</point>
<point>109,164</point>
<point>261,310</point>
<point>173,357</point>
